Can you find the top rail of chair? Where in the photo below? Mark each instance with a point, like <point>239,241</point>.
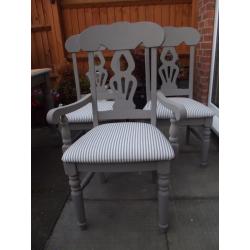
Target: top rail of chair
<point>174,36</point>
<point>116,36</point>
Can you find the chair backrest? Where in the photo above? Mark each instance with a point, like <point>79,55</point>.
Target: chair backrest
<point>169,69</point>
<point>121,37</point>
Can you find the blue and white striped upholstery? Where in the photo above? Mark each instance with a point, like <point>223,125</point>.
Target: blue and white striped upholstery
<point>161,111</point>
<point>194,109</point>
<point>85,115</point>
<point>120,142</point>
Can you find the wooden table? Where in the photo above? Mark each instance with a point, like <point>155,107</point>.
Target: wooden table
<point>40,77</point>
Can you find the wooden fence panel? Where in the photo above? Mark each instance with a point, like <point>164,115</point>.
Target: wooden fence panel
<point>53,23</point>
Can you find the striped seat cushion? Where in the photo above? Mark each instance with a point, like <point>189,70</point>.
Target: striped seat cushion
<point>85,114</point>
<point>194,109</point>
<point>118,143</point>
<point>161,111</point>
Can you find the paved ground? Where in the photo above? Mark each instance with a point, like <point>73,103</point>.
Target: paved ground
<point>122,214</point>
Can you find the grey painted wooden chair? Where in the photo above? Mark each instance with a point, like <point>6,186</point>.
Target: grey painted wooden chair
<point>171,104</point>
<point>118,146</point>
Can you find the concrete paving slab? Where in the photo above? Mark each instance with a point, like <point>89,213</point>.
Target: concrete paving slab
<point>123,225</point>
<point>189,180</point>
<point>194,225</point>
<point>49,185</point>
<point>122,186</point>
<point>195,144</point>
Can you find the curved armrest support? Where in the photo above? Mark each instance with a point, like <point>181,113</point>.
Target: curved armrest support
<point>53,116</point>
<point>177,108</point>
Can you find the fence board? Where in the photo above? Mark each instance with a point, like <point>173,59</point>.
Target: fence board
<point>81,19</point>
<point>133,13</point>
<point>111,14</point>
<point>118,14</point>
<point>88,17</point>
<point>103,16</point>
<point>141,13</point>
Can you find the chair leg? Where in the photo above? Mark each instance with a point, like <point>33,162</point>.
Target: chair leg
<point>76,194</point>
<point>173,135</point>
<point>205,145</point>
<point>163,196</point>
<point>188,135</point>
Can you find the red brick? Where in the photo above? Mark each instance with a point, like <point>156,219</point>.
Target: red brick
<point>208,38</point>
<point>209,14</point>
<point>209,22</point>
<point>206,45</point>
<point>207,30</point>
<point>210,6</point>
<point>206,53</point>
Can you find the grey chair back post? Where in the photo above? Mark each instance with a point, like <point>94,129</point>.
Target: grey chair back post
<point>147,72</point>
<point>76,76</point>
<point>169,70</point>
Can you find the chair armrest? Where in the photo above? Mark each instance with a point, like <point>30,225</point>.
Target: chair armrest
<point>177,108</point>
<point>53,116</point>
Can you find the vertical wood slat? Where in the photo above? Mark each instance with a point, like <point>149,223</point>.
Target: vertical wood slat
<point>165,15</point>
<point>51,37</point>
<point>57,29</point>
<point>96,16</point>
<point>125,13</point>
<point>157,14</point>
<point>111,15</point>
<point>81,19</point>
<point>118,14</point>
<point>149,13</point>
<point>133,13</point>
<point>194,14</point>
<point>103,16</point>
<point>46,48</point>
<point>88,17</point>
<point>38,36</point>
<point>141,13</point>
<point>74,20</point>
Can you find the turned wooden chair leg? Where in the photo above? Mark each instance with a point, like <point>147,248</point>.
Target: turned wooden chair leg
<point>163,196</point>
<point>173,135</point>
<point>205,145</point>
<point>76,195</point>
<point>188,132</point>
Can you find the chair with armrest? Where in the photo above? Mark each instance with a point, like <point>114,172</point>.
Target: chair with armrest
<point>176,104</point>
<point>118,146</point>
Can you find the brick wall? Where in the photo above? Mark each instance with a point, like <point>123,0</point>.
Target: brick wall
<point>205,24</point>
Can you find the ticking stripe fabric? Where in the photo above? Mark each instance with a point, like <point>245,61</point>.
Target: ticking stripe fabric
<point>161,111</point>
<point>118,143</point>
<point>85,114</point>
<point>194,109</point>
